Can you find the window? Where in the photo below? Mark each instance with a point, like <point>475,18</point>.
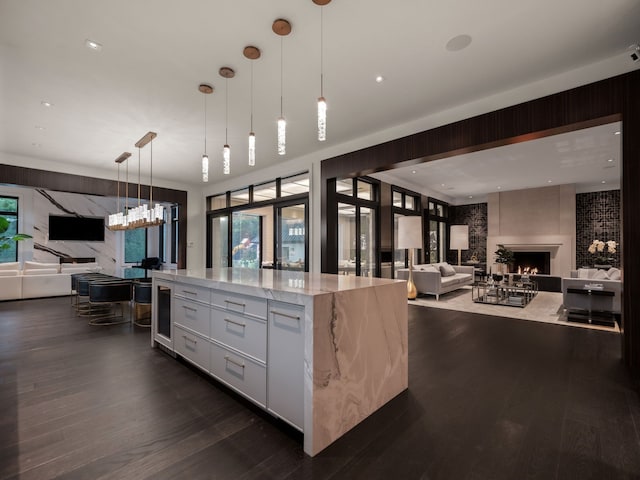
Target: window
<point>438,219</point>
<point>294,185</point>
<point>174,234</point>
<point>135,245</point>
<point>9,210</point>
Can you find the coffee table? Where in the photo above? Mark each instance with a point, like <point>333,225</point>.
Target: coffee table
<point>511,293</point>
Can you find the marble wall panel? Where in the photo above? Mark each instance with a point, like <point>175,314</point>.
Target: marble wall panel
<point>47,202</point>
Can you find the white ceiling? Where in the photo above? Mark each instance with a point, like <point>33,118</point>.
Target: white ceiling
<point>588,158</point>
<point>155,53</point>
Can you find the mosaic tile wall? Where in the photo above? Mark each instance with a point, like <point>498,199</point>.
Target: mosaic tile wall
<point>475,216</point>
<point>597,217</point>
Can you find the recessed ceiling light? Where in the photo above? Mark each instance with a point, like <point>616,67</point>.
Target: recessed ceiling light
<point>617,133</point>
<point>610,160</point>
<point>458,42</point>
<point>38,127</point>
<point>413,171</point>
<point>603,181</point>
<point>499,187</point>
<point>90,44</point>
<point>549,181</point>
<point>442,184</point>
<point>44,103</point>
<point>470,196</point>
<point>379,79</point>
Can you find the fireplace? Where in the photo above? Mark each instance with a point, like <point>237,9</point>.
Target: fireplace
<point>532,262</point>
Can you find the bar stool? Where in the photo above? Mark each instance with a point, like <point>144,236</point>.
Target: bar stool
<point>142,303</point>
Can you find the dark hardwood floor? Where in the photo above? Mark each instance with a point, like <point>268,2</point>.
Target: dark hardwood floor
<point>488,398</point>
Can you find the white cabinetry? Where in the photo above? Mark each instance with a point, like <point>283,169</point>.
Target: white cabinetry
<point>285,387</point>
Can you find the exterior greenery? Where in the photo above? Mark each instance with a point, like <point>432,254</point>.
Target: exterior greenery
<point>9,235</point>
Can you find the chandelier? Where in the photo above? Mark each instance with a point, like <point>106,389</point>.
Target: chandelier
<point>143,215</point>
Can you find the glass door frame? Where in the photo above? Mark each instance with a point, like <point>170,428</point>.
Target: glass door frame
<point>277,228</point>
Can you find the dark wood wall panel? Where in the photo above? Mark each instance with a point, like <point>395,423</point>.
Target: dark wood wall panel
<point>65,182</point>
<point>616,98</point>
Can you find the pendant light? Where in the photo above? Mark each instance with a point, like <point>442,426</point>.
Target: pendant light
<point>226,73</point>
<point>252,53</point>
<point>116,220</point>
<point>322,103</point>
<point>206,89</point>
<point>283,28</point>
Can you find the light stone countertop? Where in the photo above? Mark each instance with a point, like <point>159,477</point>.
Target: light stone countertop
<point>258,280</point>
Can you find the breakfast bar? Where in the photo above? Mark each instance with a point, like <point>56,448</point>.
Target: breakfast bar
<point>321,352</point>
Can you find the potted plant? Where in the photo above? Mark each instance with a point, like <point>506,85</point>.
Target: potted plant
<point>503,256</point>
<point>602,252</point>
<point>7,240</point>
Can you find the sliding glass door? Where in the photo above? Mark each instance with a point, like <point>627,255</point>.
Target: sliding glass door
<point>291,239</point>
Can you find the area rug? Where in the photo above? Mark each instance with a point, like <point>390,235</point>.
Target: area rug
<point>545,307</point>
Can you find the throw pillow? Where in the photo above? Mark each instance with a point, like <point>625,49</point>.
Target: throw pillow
<point>10,266</point>
<point>614,274</point>
<point>447,270</point>
<point>600,275</point>
<point>430,268</point>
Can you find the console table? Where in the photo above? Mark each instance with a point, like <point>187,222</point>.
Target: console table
<point>321,352</point>
<point>599,317</point>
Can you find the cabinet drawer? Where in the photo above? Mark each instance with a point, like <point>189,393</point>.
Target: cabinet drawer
<point>240,303</point>
<point>192,316</point>
<point>192,347</point>
<point>244,375</point>
<point>199,294</point>
<point>249,335</point>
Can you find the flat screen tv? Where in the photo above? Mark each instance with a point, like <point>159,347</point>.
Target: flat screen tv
<point>67,227</point>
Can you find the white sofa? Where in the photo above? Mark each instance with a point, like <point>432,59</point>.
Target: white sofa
<point>429,278</point>
<point>36,279</point>
<point>609,279</point>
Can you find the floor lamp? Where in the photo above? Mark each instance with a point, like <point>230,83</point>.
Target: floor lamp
<point>459,239</point>
<point>410,236</point>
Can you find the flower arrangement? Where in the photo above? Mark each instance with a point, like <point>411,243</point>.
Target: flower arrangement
<point>600,249</point>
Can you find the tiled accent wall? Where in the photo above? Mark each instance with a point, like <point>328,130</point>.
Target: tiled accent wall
<point>597,217</point>
<point>475,216</point>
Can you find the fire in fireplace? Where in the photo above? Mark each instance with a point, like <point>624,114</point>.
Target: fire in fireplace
<point>532,262</point>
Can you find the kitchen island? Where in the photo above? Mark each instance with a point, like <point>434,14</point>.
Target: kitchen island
<point>321,352</point>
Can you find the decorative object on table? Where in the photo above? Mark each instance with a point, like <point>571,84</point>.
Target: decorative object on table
<point>459,239</point>
<point>410,236</point>
<point>497,277</point>
<point>602,252</point>
<point>6,241</point>
<point>504,256</point>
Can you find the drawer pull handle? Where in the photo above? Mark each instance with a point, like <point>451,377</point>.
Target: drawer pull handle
<point>235,303</point>
<point>189,292</point>
<point>235,323</point>
<point>231,360</point>
<point>189,339</point>
<point>190,308</point>
<point>292,317</point>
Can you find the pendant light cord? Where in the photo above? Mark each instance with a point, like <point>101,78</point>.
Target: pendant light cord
<point>151,176</point>
<point>205,124</point>
<point>226,121</point>
<point>321,53</point>
<point>251,121</point>
<point>281,74</point>
<point>139,176</point>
